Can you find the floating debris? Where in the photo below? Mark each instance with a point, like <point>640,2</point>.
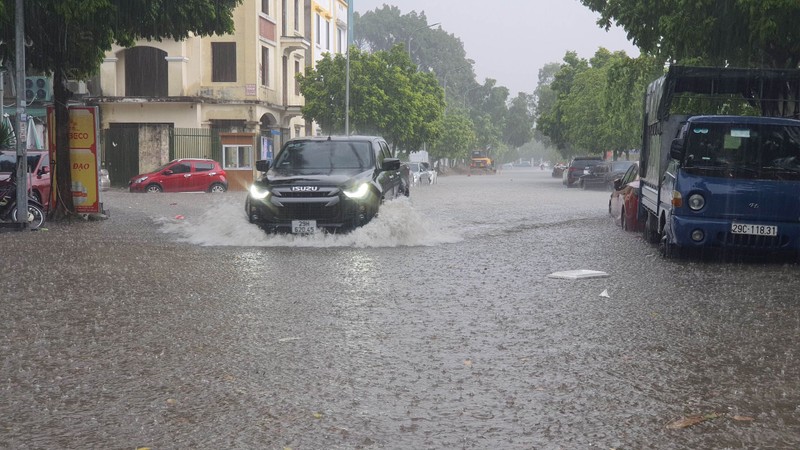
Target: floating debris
<point>578,274</point>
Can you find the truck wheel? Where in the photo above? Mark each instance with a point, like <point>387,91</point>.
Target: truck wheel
<point>651,234</point>
<point>669,251</point>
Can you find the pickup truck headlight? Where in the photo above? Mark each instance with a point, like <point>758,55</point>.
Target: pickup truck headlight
<point>258,193</point>
<point>359,192</point>
<point>696,202</point>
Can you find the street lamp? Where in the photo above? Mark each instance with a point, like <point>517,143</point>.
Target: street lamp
<point>452,70</point>
<point>411,34</point>
<point>466,93</point>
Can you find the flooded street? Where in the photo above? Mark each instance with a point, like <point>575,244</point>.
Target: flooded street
<point>176,324</point>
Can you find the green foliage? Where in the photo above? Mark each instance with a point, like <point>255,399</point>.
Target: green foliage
<point>457,138</point>
<point>431,48</point>
<point>598,103</point>
<point>7,139</point>
<point>519,125</point>
<point>741,33</point>
<point>388,96</point>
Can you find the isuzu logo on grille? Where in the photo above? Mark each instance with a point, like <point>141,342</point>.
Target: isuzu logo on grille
<point>304,188</point>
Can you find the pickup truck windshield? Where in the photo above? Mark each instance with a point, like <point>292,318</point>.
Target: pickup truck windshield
<point>325,155</point>
<point>750,151</point>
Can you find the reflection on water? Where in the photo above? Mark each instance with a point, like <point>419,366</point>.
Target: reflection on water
<point>397,225</point>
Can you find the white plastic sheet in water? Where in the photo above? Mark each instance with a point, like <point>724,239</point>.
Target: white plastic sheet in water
<point>578,274</point>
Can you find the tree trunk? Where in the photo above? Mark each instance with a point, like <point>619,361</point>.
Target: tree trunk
<point>64,206</point>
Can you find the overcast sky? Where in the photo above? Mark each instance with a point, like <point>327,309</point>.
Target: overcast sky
<point>510,40</point>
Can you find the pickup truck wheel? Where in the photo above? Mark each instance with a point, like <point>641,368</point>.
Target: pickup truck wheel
<point>651,234</point>
<point>669,251</point>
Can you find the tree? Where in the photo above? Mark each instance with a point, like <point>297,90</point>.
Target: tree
<point>544,97</point>
<point>431,49</point>
<point>745,33</point>
<point>598,103</point>
<point>457,138</point>
<point>69,38</point>
<point>388,96</point>
<point>551,122</point>
<point>519,125</point>
<point>626,81</point>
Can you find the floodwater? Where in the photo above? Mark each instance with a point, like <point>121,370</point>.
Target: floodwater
<point>176,324</point>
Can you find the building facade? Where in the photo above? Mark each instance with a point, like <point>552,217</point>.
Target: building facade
<point>241,88</point>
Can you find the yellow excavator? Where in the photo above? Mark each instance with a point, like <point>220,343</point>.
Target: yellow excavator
<point>481,162</point>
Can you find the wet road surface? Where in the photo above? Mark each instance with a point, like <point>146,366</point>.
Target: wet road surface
<point>175,324</point>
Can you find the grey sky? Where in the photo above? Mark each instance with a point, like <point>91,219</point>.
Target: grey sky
<point>510,40</point>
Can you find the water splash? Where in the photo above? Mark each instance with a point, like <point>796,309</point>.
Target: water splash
<point>397,225</point>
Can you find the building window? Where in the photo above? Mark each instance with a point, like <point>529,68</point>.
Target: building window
<point>341,40</point>
<point>319,30</point>
<point>265,6</point>
<point>296,81</point>
<point>223,62</point>
<point>297,15</point>
<point>327,35</point>
<point>236,156</point>
<point>264,66</point>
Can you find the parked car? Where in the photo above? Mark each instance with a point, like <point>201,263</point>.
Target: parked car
<point>38,172</point>
<point>623,205</point>
<point>432,172</point>
<point>602,176</point>
<point>331,183</point>
<point>420,174</point>
<point>558,170</point>
<point>575,168</point>
<point>182,175</point>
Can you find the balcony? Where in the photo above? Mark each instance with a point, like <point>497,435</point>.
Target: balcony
<point>289,44</point>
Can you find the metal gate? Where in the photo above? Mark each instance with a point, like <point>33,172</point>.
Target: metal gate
<point>195,143</point>
<point>121,153</point>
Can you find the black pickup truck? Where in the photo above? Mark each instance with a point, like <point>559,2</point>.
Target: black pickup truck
<point>332,184</point>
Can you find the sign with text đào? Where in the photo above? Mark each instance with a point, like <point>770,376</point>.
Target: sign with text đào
<point>83,137</point>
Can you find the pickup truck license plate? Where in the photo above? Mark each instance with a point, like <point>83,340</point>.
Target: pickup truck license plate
<point>304,226</point>
<point>754,230</point>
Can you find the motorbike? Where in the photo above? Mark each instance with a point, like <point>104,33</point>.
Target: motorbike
<point>8,205</point>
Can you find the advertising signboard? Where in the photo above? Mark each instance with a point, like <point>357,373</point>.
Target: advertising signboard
<point>83,139</point>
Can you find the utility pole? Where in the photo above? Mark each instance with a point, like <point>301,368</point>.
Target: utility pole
<point>347,69</point>
<point>22,157</point>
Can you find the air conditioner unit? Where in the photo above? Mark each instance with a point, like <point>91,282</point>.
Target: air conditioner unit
<point>77,87</point>
<point>38,89</point>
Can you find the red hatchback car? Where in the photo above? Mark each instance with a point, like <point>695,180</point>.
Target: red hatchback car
<point>183,175</point>
<point>623,205</point>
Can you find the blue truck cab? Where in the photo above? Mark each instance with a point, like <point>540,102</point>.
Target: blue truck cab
<point>728,182</point>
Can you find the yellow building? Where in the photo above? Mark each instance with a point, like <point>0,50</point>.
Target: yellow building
<point>232,98</point>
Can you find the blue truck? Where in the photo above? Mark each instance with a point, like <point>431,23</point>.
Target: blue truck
<point>720,161</point>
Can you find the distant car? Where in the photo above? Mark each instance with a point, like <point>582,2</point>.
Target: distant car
<point>432,173</point>
<point>575,168</point>
<point>182,175</point>
<point>38,172</point>
<point>558,170</point>
<point>420,174</point>
<point>602,176</point>
<point>623,205</point>
<point>522,164</point>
